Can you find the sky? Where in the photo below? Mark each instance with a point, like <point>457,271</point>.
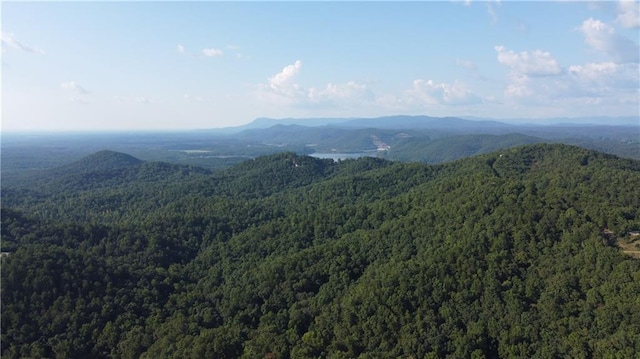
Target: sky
<point>194,65</point>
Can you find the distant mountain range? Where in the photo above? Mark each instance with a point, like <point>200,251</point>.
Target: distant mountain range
<point>428,122</point>
<point>589,120</point>
<point>437,139</point>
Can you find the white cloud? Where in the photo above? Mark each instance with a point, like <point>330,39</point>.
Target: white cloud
<point>73,86</point>
<point>519,86</point>
<point>605,77</point>
<point>345,90</point>
<point>532,74</point>
<point>8,41</point>
<point>536,83</point>
<point>594,71</point>
<point>604,38</point>
<point>431,93</point>
<point>283,78</point>
<point>597,87</point>
<point>343,95</point>
<point>282,91</point>
<point>536,63</point>
<point>212,52</point>
<point>181,49</point>
<point>628,14</point>
<point>426,92</point>
<point>536,79</point>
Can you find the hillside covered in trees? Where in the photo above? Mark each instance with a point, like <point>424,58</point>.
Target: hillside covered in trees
<point>510,254</point>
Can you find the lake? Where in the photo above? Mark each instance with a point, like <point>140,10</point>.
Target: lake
<point>336,156</point>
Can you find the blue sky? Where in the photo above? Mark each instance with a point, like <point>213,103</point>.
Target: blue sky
<point>184,65</point>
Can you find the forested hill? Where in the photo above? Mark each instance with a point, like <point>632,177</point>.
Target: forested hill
<point>511,254</point>
<point>104,177</point>
<point>102,161</point>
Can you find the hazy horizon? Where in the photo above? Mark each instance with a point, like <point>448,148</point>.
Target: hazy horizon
<point>627,121</point>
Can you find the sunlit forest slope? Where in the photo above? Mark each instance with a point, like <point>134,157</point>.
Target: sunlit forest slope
<point>511,254</point>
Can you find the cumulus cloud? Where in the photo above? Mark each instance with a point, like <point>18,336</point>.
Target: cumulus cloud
<point>628,14</point>
<point>536,63</point>
<point>284,77</point>
<point>73,86</point>
<point>603,37</point>
<point>594,71</point>
<point>536,78</point>
<point>605,84</point>
<point>211,52</point>
<point>283,89</point>
<point>9,41</point>
<point>520,86</point>
<point>531,73</point>
<point>605,76</point>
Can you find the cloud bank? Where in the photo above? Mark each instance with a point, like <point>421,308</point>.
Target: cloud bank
<point>282,89</point>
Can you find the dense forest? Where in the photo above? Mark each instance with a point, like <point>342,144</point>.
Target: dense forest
<point>511,254</point>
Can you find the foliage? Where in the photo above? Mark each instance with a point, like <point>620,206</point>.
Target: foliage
<point>506,254</point>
